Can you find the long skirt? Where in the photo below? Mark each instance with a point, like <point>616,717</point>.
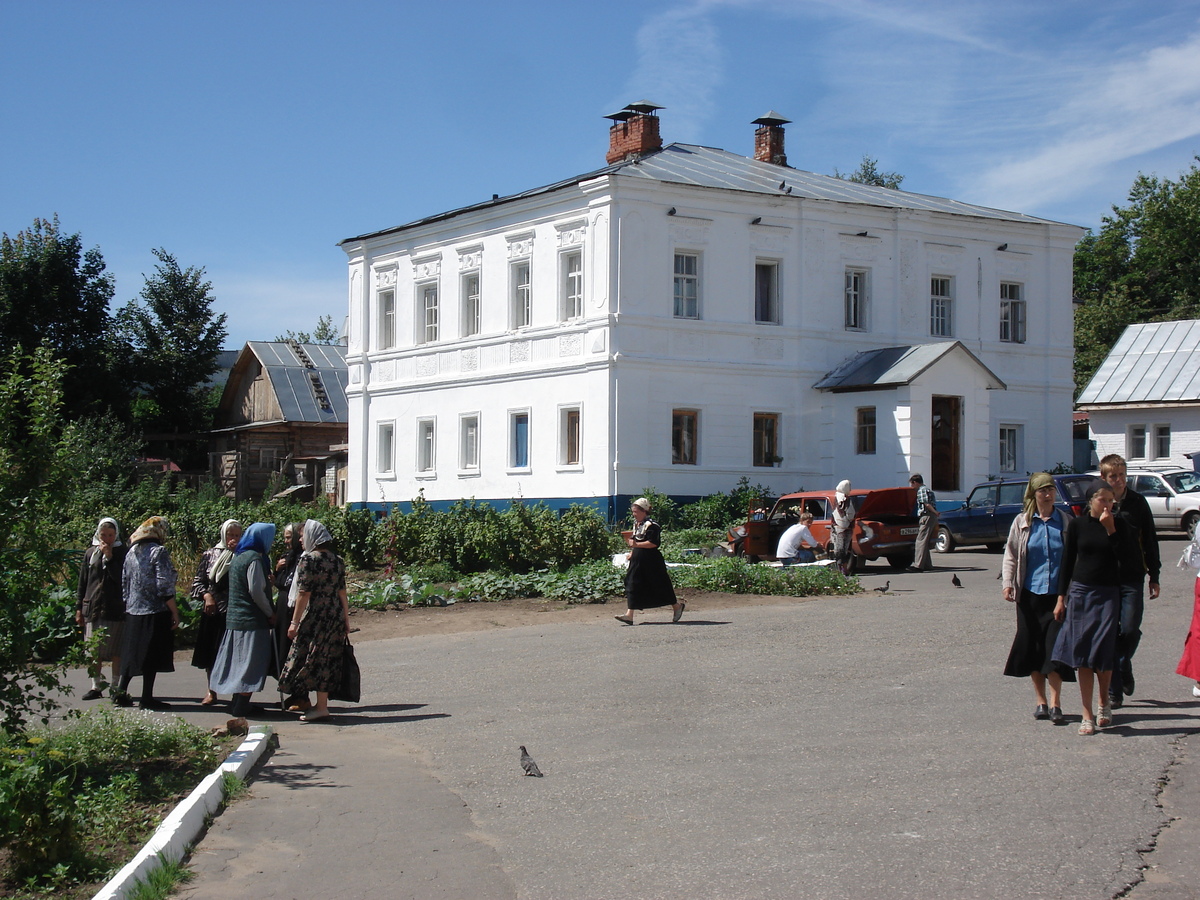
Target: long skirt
<point>1189,663</point>
<point>242,662</point>
<point>112,635</point>
<point>314,662</point>
<point>1088,637</point>
<point>149,644</point>
<point>1037,631</point>
<point>647,583</point>
<point>208,640</point>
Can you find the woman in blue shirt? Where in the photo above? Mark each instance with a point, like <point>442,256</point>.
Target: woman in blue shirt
<point>1032,560</point>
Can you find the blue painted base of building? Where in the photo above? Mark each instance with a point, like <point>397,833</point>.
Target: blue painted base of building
<point>613,508</point>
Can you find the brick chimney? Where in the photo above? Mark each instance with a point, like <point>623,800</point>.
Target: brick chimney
<point>634,132</point>
<point>768,138</point>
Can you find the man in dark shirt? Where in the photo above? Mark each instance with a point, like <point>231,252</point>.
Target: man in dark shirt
<point>1133,508</point>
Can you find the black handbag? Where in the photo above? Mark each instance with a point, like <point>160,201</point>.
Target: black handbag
<point>350,688</point>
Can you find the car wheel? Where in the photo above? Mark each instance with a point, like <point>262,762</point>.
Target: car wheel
<point>901,561</point>
<point>944,542</point>
<point>1189,523</point>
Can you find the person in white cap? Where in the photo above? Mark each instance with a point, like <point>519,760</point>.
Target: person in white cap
<point>843,525</point>
<point>647,583</point>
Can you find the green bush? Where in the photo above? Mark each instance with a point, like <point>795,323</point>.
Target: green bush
<point>592,582</point>
<point>735,575</point>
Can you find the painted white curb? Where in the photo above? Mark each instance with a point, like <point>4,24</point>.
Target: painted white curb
<point>185,822</point>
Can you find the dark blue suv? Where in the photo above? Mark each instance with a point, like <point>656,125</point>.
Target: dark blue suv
<point>989,510</point>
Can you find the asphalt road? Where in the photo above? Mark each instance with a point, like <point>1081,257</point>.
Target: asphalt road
<point>853,747</point>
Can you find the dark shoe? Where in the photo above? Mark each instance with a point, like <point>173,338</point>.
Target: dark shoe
<point>1041,712</point>
<point>1127,683</point>
<point>679,612</point>
<point>1116,701</point>
<point>623,620</point>
<point>1056,716</point>
<point>153,704</point>
<point>122,698</point>
<point>240,706</point>
<point>93,694</point>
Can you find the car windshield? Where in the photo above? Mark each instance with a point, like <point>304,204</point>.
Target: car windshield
<point>1183,482</point>
<point>1075,488</point>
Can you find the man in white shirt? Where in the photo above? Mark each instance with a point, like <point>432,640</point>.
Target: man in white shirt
<point>795,544</point>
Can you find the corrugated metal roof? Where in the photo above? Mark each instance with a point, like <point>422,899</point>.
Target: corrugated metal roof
<point>887,367</point>
<point>1150,363</point>
<point>713,168</point>
<point>292,378</point>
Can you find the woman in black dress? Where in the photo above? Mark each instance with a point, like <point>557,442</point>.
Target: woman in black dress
<point>1089,599</point>
<point>211,588</point>
<point>647,584</point>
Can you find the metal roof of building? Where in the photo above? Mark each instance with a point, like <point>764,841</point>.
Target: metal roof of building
<point>310,384</point>
<point>1154,362</point>
<point>710,167</point>
<point>890,367</point>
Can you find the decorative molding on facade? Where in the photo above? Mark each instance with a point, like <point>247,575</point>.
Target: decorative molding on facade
<point>468,359</point>
<point>470,258</point>
<point>690,230</point>
<point>427,366</point>
<point>571,234</point>
<point>355,373</point>
<point>570,344</point>
<point>599,341</point>
<point>518,352</point>
<point>383,371</point>
<point>386,276</point>
<point>427,267</point>
<point>519,245</point>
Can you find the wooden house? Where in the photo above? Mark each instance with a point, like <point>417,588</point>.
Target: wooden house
<point>281,423</point>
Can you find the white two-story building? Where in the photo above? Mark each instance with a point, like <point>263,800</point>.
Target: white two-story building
<point>685,316</point>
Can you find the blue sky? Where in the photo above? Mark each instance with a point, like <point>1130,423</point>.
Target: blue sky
<point>250,137</point>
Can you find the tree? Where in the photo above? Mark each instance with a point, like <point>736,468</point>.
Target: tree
<point>324,333</point>
<point>868,173</point>
<point>55,295</point>
<point>1142,266</point>
<point>174,340</point>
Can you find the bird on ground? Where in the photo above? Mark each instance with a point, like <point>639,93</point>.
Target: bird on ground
<point>884,589</point>
<point>954,581</point>
<point>527,763</point>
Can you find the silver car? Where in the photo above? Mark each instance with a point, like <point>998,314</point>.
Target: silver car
<point>1174,496</point>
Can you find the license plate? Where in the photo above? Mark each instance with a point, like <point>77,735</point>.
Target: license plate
<point>909,530</point>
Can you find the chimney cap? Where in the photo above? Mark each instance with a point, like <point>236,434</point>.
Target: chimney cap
<point>621,115</point>
<point>644,106</point>
<point>771,118</point>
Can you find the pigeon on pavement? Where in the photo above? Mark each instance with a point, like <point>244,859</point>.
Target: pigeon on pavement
<point>527,763</point>
<point>954,581</point>
<point>884,589</point>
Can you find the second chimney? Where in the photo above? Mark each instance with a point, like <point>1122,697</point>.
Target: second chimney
<point>768,138</point>
<point>634,132</point>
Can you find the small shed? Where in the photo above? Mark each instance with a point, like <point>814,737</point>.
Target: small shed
<point>281,413</point>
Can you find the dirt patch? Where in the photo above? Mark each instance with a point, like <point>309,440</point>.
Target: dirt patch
<point>462,617</point>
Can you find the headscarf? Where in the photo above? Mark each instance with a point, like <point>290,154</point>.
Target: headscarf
<point>1098,484</point>
<point>106,521</point>
<point>642,503</point>
<point>842,491</point>
<point>221,566</point>
<point>1037,481</point>
<point>154,528</point>
<point>258,538</point>
<point>315,534</point>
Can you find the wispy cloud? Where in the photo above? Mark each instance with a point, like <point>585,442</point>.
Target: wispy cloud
<point>680,65</point>
<point>1117,111</point>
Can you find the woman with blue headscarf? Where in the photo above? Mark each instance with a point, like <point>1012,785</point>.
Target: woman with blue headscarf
<point>244,657</point>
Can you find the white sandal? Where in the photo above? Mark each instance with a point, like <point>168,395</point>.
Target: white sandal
<point>1104,719</point>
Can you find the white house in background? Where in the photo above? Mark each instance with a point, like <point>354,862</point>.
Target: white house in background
<point>685,316</point>
<point>1144,400</point>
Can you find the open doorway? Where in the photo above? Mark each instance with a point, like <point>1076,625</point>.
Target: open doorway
<point>946,444</point>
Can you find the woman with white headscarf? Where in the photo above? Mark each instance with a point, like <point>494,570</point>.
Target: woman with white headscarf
<point>647,582</point>
<point>244,657</point>
<point>320,625</point>
<point>211,587</point>
<point>843,527</point>
<point>99,606</point>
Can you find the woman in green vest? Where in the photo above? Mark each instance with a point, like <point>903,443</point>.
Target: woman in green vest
<point>244,657</point>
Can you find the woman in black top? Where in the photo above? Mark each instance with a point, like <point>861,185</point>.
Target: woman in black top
<point>647,583</point>
<point>1089,599</point>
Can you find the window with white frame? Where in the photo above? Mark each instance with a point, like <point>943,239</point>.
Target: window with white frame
<point>571,286</point>
<point>1012,312</point>
<point>570,435</point>
<point>766,439</point>
<point>1135,442</point>
<point>941,307</point>
<point>518,441</point>
<point>687,286</point>
<point>468,442</point>
<point>766,293</point>
<point>428,305</point>
<point>522,294</point>
<point>864,443</point>
<point>471,313</point>
<point>1162,441</point>
<point>426,445</point>
<point>685,426</point>
<point>385,449</point>
<point>1009,455</point>
<point>856,298</point>
<point>387,320</point>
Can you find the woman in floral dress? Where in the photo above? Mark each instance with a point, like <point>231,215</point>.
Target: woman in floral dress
<point>320,624</point>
